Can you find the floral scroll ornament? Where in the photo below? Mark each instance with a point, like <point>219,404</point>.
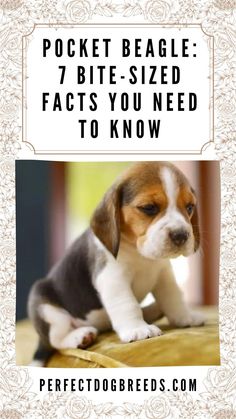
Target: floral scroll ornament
<point>76,408</point>
<point>157,408</point>
<point>15,392</point>
<point>225,4</point>
<point>11,4</point>
<point>10,414</point>
<point>220,395</point>
<point>79,11</point>
<point>156,10</point>
<point>224,43</point>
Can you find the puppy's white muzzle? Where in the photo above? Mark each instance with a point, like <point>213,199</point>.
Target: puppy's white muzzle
<point>169,237</point>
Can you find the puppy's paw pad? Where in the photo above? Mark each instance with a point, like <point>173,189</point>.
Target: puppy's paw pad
<point>88,339</point>
<point>193,318</point>
<point>140,333</point>
<point>80,338</point>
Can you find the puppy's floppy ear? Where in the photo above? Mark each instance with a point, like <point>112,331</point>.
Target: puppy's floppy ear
<point>105,221</point>
<point>196,230</point>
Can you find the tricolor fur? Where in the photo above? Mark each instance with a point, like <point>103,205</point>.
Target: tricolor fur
<point>147,217</point>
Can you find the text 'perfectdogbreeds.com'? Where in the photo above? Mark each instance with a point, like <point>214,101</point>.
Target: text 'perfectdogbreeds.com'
<point>121,276</point>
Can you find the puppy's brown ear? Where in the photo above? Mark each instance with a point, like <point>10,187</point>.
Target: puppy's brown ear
<point>196,230</point>
<point>105,221</point>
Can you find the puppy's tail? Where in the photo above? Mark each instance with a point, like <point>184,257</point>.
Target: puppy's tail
<point>41,355</point>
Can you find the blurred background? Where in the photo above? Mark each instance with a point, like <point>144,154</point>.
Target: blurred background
<point>54,202</point>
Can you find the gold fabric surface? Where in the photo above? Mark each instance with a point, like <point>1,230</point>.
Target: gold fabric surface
<point>189,346</point>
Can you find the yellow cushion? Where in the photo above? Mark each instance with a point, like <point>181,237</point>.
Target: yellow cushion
<point>190,346</point>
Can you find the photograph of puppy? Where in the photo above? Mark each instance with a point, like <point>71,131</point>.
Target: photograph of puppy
<point>147,217</point>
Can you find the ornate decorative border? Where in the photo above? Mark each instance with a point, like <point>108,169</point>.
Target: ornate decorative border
<point>18,17</point>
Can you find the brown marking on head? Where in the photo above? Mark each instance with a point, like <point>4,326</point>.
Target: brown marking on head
<point>134,221</point>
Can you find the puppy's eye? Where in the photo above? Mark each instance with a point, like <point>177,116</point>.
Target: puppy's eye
<point>149,209</point>
<point>190,208</point>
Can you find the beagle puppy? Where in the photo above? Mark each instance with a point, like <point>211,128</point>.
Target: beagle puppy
<point>147,217</point>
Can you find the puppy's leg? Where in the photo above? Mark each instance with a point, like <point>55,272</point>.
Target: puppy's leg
<point>172,303</point>
<point>123,309</point>
<point>152,312</point>
<point>62,335</point>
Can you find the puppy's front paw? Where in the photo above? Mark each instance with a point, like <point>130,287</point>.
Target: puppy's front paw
<point>139,333</point>
<point>192,318</point>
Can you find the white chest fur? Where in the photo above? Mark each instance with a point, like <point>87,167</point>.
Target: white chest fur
<point>131,268</point>
<point>140,272</point>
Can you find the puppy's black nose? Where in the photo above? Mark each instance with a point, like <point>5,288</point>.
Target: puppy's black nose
<point>179,237</point>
